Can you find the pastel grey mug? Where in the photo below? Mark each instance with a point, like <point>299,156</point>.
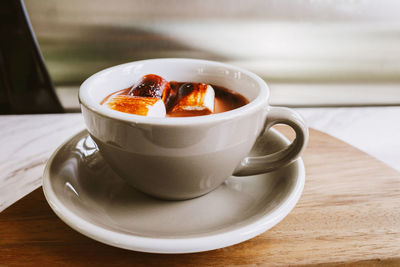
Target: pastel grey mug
<point>185,157</point>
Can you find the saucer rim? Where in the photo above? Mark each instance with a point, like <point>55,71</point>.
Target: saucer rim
<point>172,245</point>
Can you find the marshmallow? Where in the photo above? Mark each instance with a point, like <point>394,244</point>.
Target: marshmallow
<point>145,106</point>
<point>151,85</point>
<point>193,99</point>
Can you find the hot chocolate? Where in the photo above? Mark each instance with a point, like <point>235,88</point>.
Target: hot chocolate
<point>185,157</point>
<point>154,96</point>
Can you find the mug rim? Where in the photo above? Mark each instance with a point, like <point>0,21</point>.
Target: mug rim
<point>258,102</point>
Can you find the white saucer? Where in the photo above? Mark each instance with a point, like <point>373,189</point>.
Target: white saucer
<point>87,195</point>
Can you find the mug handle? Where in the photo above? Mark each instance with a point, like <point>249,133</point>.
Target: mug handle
<point>262,164</point>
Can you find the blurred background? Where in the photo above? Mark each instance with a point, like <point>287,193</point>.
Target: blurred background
<point>311,52</point>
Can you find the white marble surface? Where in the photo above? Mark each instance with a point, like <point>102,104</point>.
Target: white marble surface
<point>374,130</point>
<point>27,141</point>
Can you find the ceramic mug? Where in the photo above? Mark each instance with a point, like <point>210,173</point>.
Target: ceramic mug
<point>185,157</point>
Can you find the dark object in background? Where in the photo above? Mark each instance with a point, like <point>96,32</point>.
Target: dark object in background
<point>25,85</point>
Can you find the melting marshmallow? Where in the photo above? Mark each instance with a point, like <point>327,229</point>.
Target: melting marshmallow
<point>145,106</point>
<point>151,85</point>
<point>193,99</point>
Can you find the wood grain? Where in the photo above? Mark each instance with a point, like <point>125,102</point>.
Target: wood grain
<point>349,215</point>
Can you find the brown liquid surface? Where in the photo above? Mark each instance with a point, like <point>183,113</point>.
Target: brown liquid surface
<point>225,100</point>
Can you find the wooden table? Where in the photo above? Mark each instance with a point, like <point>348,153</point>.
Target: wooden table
<point>348,215</point>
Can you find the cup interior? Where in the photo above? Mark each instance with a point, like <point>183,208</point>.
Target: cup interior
<point>105,82</point>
